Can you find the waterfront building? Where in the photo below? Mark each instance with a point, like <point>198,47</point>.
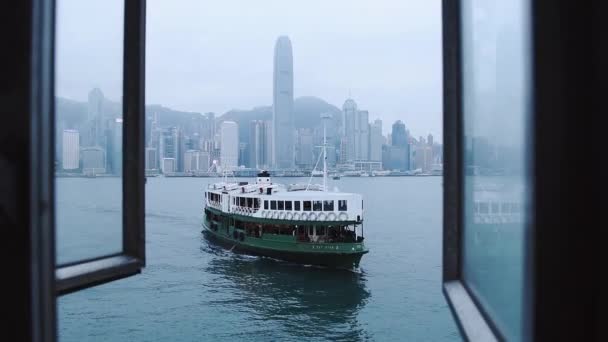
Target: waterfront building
<point>260,144</point>
<point>151,159</point>
<point>93,160</point>
<point>229,145</point>
<point>168,165</point>
<point>376,141</point>
<point>71,149</point>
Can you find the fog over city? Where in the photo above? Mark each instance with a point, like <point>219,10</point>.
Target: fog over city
<point>205,56</point>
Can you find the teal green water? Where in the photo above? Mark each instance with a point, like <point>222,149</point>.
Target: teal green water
<point>192,290</point>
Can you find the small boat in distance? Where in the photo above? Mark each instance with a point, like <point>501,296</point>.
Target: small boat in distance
<point>335,177</point>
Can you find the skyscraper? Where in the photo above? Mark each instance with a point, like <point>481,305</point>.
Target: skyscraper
<point>260,144</point>
<point>304,148</point>
<point>71,149</point>
<point>229,145</point>
<point>399,135</point>
<point>282,109</point>
<point>356,130</point>
<point>375,141</point>
<point>151,159</point>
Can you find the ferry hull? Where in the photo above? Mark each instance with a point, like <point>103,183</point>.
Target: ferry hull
<point>331,259</point>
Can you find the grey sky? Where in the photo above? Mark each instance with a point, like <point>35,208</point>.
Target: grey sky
<point>217,55</point>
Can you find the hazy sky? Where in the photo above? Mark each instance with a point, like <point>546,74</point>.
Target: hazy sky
<point>217,55</point>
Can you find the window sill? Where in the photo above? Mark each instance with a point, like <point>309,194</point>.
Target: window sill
<point>473,326</point>
<point>91,273</point>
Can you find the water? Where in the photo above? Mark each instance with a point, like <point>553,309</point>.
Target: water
<point>192,290</point>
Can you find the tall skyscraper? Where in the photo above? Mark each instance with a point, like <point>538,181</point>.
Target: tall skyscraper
<point>356,130</point>
<point>71,149</point>
<point>399,134</point>
<point>304,148</point>
<point>260,144</point>
<point>151,159</point>
<point>229,145</point>
<point>282,109</point>
<point>349,111</point>
<point>375,141</point>
<point>170,146</point>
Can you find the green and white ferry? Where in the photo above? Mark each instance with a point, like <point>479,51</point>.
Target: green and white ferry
<point>301,223</point>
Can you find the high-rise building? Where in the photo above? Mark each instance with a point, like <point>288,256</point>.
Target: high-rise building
<point>376,141</point>
<point>229,145</point>
<point>260,144</point>
<point>93,130</point>
<point>304,148</point>
<point>349,110</point>
<point>151,159</point>
<point>196,161</point>
<point>71,149</point>
<point>356,131</point>
<point>282,109</point>
<point>168,165</point>
<point>170,145</point>
<point>93,160</point>
<point>399,134</point>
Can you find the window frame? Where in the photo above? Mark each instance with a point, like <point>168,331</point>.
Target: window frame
<point>86,273</point>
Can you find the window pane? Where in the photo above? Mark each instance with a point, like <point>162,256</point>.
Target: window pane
<point>307,206</point>
<point>297,205</point>
<point>328,205</point>
<point>287,205</point>
<point>317,205</point>
<point>273,205</point>
<point>281,207</point>
<point>266,205</point>
<point>495,114</point>
<point>89,129</point>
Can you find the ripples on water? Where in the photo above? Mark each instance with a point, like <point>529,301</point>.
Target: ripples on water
<point>195,290</point>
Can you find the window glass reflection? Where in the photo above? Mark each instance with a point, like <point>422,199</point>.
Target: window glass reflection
<point>496,140</point>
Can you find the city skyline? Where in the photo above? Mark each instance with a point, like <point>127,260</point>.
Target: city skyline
<point>386,55</point>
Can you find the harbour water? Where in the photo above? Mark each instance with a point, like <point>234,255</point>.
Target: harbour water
<point>192,290</point>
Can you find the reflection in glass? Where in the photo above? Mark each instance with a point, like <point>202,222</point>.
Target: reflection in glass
<point>496,140</point>
<point>89,129</point>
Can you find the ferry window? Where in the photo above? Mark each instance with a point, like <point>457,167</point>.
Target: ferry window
<point>256,203</point>
<point>317,205</point>
<point>307,206</point>
<point>287,205</point>
<point>328,205</point>
<point>342,205</point>
<point>265,204</point>
<point>281,205</point>
<point>273,205</point>
<point>296,205</point>
<point>250,202</point>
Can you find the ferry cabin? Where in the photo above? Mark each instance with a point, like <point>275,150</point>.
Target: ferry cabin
<point>306,216</point>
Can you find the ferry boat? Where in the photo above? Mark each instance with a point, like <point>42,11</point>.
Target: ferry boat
<point>301,223</point>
